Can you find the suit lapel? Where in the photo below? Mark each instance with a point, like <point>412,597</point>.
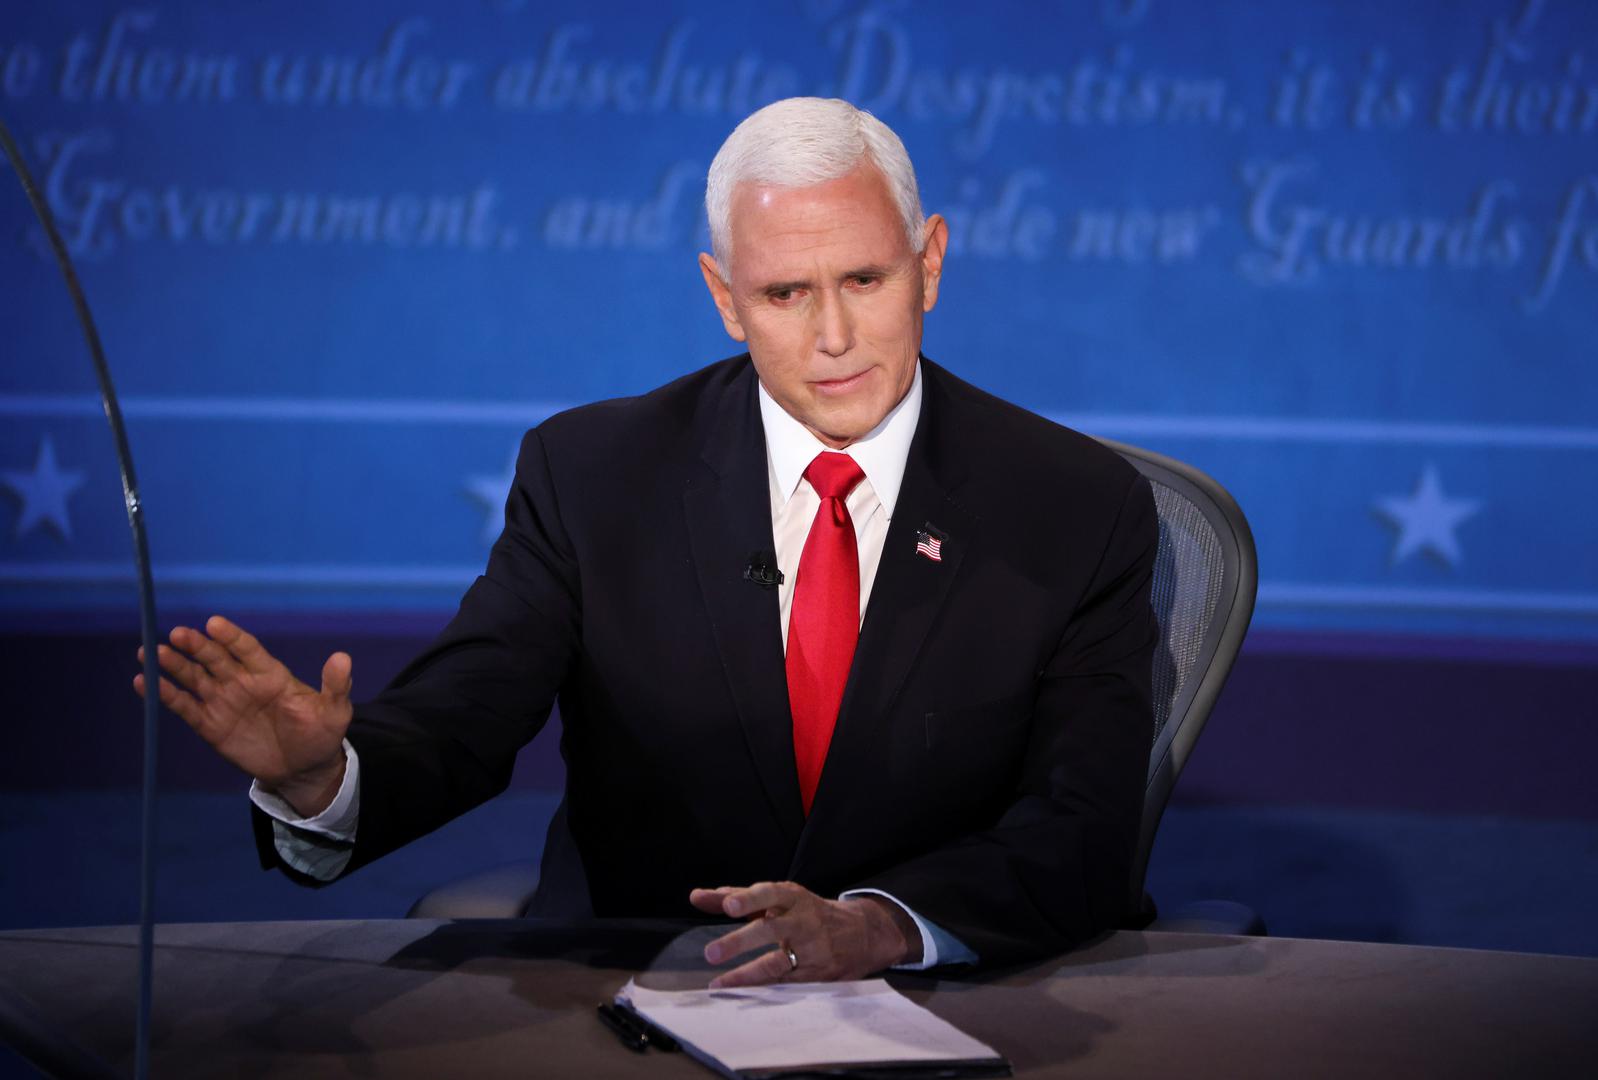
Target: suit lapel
<point>728,510</point>
<point>906,598</point>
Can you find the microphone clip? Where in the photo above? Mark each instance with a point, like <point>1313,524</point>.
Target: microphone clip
<point>762,570</point>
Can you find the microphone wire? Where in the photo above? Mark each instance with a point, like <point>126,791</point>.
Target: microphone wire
<point>141,556</point>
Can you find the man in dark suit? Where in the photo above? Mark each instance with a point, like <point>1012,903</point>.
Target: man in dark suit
<point>859,645</point>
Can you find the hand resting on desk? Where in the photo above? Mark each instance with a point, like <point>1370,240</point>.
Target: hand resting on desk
<point>832,939</point>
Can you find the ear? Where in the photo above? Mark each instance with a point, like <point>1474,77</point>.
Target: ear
<point>937,241</point>
<point>721,295</point>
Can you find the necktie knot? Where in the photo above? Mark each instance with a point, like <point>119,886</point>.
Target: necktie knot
<point>833,475</point>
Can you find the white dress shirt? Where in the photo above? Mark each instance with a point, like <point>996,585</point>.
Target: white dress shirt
<point>320,846</point>
<point>881,455</point>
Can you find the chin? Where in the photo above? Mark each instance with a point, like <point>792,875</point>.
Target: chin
<point>849,426</point>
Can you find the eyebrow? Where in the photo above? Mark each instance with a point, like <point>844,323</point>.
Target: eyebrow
<point>798,283</point>
<point>783,286</point>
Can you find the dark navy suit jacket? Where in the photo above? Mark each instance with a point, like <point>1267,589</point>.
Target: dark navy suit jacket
<point>988,762</point>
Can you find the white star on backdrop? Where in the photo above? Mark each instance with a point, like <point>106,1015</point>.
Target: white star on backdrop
<point>492,491</point>
<point>1427,519</point>
<point>43,492</point>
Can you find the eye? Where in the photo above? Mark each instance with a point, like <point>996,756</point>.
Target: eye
<point>863,281</point>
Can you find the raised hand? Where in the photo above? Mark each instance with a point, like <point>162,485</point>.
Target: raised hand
<point>246,704</point>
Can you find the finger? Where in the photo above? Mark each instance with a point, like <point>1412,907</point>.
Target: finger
<point>768,967</point>
<point>217,660</point>
<point>710,900</point>
<point>751,935</point>
<point>763,896</point>
<point>176,700</point>
<point>185,672</point>
<point>165,657</point>
<point>242,644</point>
<point>337,679</point>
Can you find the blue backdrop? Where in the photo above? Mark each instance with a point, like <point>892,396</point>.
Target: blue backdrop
<point>1342,255</point>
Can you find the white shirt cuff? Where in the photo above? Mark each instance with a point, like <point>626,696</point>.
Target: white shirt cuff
<point>337,822</point>
<point>938,946</point>
<point>320,846</point>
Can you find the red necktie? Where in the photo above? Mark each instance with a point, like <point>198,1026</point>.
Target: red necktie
<point>824,620</point>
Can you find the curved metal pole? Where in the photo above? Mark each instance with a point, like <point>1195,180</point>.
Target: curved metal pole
<point>141,556</point>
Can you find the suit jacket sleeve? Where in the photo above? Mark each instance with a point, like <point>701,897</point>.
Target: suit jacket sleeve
<point>1055,868</point>
<point>443,736</point>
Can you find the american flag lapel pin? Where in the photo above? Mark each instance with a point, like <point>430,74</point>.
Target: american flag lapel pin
<point>929,542</point>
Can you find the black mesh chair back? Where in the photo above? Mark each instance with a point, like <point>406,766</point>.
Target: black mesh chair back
<point>1205,576</point>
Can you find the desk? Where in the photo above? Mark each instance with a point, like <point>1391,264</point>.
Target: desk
<point>404,998</point>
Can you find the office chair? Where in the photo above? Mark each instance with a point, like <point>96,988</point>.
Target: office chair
<point>1203,596</point>
<point>1205,577</point>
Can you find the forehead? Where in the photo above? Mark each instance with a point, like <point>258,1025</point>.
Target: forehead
<point>837,225</point>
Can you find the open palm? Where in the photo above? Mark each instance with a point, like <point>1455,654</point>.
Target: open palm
<point>246,704</point>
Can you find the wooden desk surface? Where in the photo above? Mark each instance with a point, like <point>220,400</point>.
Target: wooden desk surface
<point>403,998</point>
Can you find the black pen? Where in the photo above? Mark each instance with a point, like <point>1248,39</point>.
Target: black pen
<point>657,1038</point>
<point>632,1037</point>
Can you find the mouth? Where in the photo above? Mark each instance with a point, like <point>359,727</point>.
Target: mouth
<point>840,386</point>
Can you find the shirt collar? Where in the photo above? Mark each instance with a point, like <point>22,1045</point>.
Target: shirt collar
<point>881,453</point>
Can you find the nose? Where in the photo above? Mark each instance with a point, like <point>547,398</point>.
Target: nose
<point>834,327</point>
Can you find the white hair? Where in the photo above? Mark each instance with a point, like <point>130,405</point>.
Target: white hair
<point>802,141</point>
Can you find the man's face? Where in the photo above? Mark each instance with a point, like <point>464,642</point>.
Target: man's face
<point>828,295</point>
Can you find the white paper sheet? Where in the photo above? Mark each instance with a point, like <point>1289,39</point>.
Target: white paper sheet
<point>794,1025</point>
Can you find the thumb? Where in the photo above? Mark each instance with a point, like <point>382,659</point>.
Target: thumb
<point>336,676</point>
